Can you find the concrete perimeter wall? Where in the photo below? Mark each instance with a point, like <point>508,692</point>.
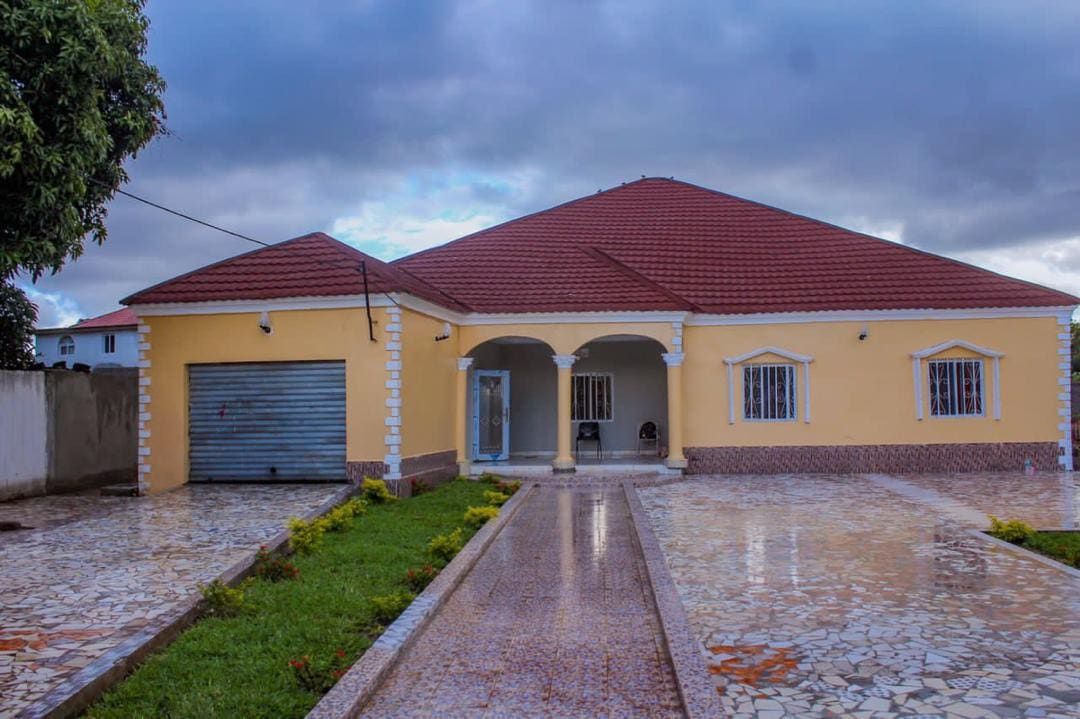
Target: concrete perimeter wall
<point>62,431</point>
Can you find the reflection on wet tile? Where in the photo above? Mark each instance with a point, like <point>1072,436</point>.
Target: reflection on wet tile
<point>826,596</point>
<point>555,619</point>
<point>97,570</point>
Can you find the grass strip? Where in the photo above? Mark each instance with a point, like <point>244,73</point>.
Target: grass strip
<point>239,666</point>
<point>1062,546</point>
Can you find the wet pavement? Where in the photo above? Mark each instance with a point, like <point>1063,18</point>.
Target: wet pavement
<point>95,571</point>
<point>555,619</point>
<point>868,596</point>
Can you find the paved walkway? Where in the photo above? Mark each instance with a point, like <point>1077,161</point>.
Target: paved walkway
<point>96,571</point>
<point>555,619</point>
<point>867,596</point>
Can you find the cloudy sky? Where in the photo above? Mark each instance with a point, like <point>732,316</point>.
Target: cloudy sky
<point>951,126</point>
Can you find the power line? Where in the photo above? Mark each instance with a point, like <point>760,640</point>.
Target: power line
<point>145,201</point>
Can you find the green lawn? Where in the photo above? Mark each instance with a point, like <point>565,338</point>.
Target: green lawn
<point>239,666</point>
<point>1062,546</point>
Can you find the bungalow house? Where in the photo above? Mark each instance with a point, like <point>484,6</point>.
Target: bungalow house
<point>107,341</point>
<point>751,339</point>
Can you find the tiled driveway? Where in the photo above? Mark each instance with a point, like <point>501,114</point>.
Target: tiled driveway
<point>555,620</point>
<point>867,596</point>
<point>96,571</point>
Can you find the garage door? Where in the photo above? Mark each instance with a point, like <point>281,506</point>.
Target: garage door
<point>281,421</point>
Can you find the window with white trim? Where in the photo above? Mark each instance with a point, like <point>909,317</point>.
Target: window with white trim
<point>769,392</point>
<point>956,387</point>
<point>110,344</point>
<point>67,345</point>
<point>592,397</point>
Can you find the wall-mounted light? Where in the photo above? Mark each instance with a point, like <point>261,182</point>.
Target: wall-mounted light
<point>445,333</point>
<point>864,333</point>
<point>264,323</point>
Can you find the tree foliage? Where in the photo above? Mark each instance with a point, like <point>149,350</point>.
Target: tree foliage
<point>17,317</point>
<point>76,100</point>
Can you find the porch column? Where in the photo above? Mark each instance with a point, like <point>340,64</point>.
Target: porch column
<point>564,460</point>
<point>461,404</point>
<point>674,361</point>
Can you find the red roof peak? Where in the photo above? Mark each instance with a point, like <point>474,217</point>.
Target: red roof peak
<point>714,251</point>
<point>312,265</point>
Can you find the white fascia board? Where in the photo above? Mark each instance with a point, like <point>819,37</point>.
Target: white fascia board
<point>771,318</point>
<point>786,354</point>
<point>554,318</point>
<point>938,348</point>
<point>224,307</point>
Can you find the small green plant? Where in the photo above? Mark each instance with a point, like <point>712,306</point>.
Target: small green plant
<point>223,600</point>
<point>508,486</point>
<point>489,478</point>
<point>318,677</point>
<point>461,478</point>
<point>376,491</point>
<point>341,516</point>
<point>273,567</point>
<point>444,547</point>
<point>477,517</point>
<point>1015,531</point>
<point>388,607</point>
<point>305,536</point>
<point>496,499</point>
<point>417,579</point>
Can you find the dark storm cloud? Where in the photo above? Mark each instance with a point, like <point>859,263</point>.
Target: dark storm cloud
<point>954,121</point>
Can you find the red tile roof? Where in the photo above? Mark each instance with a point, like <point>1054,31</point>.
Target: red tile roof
<point>666,241</point>
<point>314,265</point>
<point>652,244</point>
<point>124,317</point>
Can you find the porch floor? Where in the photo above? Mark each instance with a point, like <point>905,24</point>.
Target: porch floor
<point>541,465</point>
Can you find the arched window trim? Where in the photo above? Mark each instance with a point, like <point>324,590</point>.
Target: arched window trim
<point>917,362</point>
<point>802,359</point>
<point>63,341</point>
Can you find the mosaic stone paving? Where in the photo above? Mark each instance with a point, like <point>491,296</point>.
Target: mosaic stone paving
<point>819,596</point>
<point>556,619</point>
<point>1045,500</point>
<point>98,569</point>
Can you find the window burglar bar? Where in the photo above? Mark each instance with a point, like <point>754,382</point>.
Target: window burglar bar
<point>956,388</point>
<point>769,392</point>
<point>592,397</point>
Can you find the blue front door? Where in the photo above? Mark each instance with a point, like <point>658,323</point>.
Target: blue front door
<point>491,414</point>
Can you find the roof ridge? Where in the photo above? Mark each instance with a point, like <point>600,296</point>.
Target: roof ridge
<point>625,269</point>
<point>512,220</point>
<point>127,300</point>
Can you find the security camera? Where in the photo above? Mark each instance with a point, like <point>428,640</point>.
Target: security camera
<point>266,328</point>
<point>863,335</point>
<point>264,323</point>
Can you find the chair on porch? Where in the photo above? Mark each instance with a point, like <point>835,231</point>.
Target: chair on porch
<point>589,432</point>
<point>649,433</point>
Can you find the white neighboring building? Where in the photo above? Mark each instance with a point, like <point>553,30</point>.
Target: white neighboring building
<point>110,340</point>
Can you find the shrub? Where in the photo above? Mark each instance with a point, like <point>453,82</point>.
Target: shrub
<point>418,487</point>
<point>223,600</point>
<point>477,517</point>
<point>388,607</point>
<point>489,478</point>
<point>305,536</point>
<point>341,516</point>
<point>461,478</point>
<point>445,547</point>
<point>273,567</point>
<point>497,499</point>
<point>1015,531</point>
<point>417,579</point>
<point>375,491</point>
<point>319,676</point>
<point>508,487</point>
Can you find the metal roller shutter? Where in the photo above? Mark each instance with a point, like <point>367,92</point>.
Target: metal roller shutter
<point>281,421</point>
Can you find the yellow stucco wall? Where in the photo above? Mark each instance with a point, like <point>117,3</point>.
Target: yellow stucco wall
<point>565,338</point>
<point>177,341</point>
<point>428,373</point>
<point>862,392</point>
